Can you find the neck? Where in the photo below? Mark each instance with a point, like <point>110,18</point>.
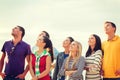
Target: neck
<point>16,40</point>
<point>92,47</point>
<point>66,51</point>
<point>110,37</point>
<point>40,50</point>
<point>73,55</point>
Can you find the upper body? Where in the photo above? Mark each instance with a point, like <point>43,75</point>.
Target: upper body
<point>111,49</point>
<point>74,63</point>
<point>40,61</point>
<point>15,51</point>
<point>93,58</point>
<point>61,56</point>
<point>78,68</point>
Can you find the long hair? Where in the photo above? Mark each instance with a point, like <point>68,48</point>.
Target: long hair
<point>97,45</point>
<point>79,52</point>
<point>48,46</point>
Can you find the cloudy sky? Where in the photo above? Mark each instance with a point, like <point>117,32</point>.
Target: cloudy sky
<point>61,18</point>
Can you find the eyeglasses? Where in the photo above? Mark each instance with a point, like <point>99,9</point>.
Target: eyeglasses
<point>12,49</point>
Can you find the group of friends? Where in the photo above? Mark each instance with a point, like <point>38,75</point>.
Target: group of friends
<point>101,61</point>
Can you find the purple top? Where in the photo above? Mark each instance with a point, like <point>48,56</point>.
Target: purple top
<point>15,57</point>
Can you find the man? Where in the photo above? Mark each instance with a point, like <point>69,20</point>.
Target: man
<point>111,49</point>
<point>15,51</point>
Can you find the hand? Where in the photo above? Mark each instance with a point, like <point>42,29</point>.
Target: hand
<point>69,73</point>
<point>2,75</point>
<point>34,78</point>
<point>21,76</point>
<point>117,72</point>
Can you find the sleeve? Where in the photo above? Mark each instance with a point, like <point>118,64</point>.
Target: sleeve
<point>56,69</point>
<point>80,67</point>
<point>28,50</point>
<point>3,48</point>
<point>98,58</point>
<point>62,70</point>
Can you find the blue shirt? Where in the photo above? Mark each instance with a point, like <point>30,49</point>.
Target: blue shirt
<point>15,57</point>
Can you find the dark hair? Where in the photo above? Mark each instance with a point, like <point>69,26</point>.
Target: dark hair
<point>49,46</point>
<point>113,24</point>
<point>71,39</point>
<point>22,29</point>
<point>46,33</point>
<point>97,45</point>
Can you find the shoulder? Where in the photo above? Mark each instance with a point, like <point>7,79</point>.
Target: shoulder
<point>82,58</point>
<point>98,52</point>
<point>60,53</point>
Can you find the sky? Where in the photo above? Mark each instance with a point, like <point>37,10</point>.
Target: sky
<point>61,18</point>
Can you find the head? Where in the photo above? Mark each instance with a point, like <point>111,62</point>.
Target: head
<point>67,42</point>
<point>45,43</point>
<point>94,43</point>
<point>18,31</point>
<point>75,49</point>
<point>44,33</point>
<point>109,27</point>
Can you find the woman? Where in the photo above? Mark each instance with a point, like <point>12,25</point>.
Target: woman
<point>73,65</point>
<point>93,58</point>
<point>60,58</point>
<point>40,61</point>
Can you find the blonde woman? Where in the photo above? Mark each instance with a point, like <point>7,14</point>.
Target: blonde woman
<point>73,65</point>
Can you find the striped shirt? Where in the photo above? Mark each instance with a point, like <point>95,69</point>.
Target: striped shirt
<point>94,73</point>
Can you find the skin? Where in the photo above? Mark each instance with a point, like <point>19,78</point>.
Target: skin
<point>41,45</point>
<point>17,37</point>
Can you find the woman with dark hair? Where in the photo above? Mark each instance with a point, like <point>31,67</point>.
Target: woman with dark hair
<point>93,58</point>
<point>40,61</point>
<point>60,58</point>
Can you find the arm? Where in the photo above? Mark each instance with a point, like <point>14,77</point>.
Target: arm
<point>47,70</point>
<point>80,68</point>
<point>56,70</point>
<point>1,65</point>
<point>22,76</point>
<point>62,70</point>
<point>30,67</point>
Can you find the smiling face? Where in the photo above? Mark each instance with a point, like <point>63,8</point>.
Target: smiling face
<point>76,48</point>
<point>40,41</point>
<point>92,41</point>
<point>66,43</point>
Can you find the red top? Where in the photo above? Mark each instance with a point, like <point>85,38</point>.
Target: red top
<point>42,66</point>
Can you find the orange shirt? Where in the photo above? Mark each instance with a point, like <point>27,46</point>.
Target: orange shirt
<point>111,58</point>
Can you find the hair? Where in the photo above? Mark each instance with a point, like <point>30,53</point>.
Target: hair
<point>97,45</point>
<point>47,34</point>
<point>48,46</point>
<point>22,30</point>
<point>79,52</point>
<point>113,24</point>
<point>71,39</point>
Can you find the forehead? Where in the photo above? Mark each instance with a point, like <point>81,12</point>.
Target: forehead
<point>107,24</point>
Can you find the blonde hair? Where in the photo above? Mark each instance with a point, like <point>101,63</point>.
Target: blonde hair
<point>79,52</point>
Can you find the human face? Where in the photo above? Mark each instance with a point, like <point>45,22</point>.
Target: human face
<point>73,47</point>
<point>66,43</point>
<point>108,28</point>
<point>16,31</point>
<point>92,41</point>
<point>40,41</point>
